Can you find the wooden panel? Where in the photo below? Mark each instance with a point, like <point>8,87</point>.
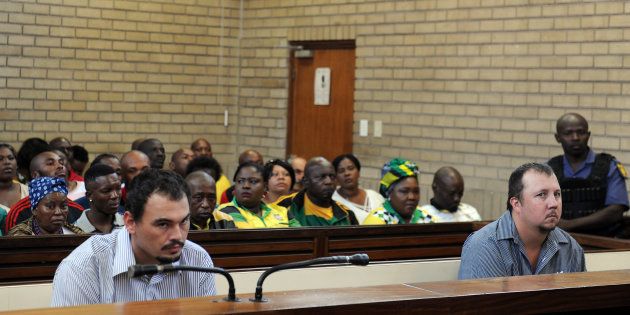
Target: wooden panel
<point>36,258</point>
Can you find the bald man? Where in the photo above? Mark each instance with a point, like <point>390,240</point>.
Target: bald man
<point>314,205</point>
<point>446,205</point>
<point>180,160</point>
<point>203,200</point>
<point>250,156</point>
<point>594,194</point>
<point>133,163</point>
<point>201,147</point>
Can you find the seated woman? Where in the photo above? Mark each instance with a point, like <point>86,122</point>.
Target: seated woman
<point>11,191</point>
<point>247,210</point>
<point>49,207</point>
<point>280,178</point>
<point>399,184</point>
<point>359,200</point>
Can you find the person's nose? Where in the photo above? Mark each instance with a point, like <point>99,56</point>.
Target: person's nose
<point>205,203</point>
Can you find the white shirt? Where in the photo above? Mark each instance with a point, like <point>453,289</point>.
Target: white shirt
<point>464,213</point>
<point>84,223</point>
<point>96,273</point>
<point>373,200</point>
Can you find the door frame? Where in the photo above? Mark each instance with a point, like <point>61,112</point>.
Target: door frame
<point>307,45</point>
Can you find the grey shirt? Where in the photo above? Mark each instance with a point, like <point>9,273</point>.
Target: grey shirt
<point>497,251</point>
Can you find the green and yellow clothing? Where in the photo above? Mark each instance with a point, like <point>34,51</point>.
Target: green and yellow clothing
<point>387,215</point>
<point>284,201</point>
<point>310,214</point>
<point>212,224</point>
<point>272,216</point>
<point>222,185</point>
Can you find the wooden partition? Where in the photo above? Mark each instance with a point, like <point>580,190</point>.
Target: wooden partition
<point>607,291</point>
<point>36,258</point>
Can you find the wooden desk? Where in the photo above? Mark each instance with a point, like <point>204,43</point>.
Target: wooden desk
<point>608,290</point>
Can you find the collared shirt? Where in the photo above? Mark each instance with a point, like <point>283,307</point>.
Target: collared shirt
<point>272,216</point>
<point>309,214</point>
<point>96,272</point>
<point>496,250</point>
<point>616,193</point>
<point>84,223</point>
<point>387,215</point>
<point>464,213</point>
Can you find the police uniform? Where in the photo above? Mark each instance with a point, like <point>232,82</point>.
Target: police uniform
<point>597,183</point>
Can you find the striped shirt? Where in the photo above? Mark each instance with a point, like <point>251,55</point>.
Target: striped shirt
<point>96,272</point>
<point>496,250</point>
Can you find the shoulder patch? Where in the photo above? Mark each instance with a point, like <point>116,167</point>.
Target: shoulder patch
<point>622,170</point>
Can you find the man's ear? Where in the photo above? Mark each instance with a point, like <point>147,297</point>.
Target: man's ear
<point>516,204</point>
<point>34,174</point>
<point>171,166</point>
<point>130,222</point>
<point>557,137</point>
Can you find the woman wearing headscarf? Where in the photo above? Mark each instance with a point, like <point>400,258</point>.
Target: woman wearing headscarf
<point>49,208</point>
<point>355,198</point>
<point>399,185</point>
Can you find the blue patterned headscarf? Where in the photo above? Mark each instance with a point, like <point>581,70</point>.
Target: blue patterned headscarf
<point>39,187</point>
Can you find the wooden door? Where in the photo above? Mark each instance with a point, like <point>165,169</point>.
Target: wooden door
<point>321,130</point>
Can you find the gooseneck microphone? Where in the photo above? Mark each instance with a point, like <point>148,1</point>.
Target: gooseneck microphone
<point>356,259</point>
<point>141,270</point>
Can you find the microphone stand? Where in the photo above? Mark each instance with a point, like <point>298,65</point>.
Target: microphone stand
<point>357,259</point>
<point>231,297</point>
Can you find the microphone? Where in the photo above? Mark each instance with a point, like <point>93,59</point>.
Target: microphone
<point>356,259</point>
<point>141,270</point>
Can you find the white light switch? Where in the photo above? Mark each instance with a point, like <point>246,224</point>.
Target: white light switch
<point>378,128</point>
<point>363,128</point>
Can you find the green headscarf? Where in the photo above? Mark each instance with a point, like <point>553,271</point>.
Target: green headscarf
<point>394,170</point>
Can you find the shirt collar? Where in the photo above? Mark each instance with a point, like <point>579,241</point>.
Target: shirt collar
<point>506,229</point>
<point>590,159</point>
<point>123,252</point>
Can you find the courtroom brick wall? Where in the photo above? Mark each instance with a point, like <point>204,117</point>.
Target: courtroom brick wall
<point>469,83</point>
<point>473,84</point>
<point>104,73</point>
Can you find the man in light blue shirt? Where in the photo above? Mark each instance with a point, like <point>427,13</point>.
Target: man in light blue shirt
<point>525,239</point>
<point>156,226</point>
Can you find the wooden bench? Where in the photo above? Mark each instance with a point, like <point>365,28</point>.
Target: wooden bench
<point>36,258</point>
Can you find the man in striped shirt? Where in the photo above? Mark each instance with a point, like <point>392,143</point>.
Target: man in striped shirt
<point>525,239</point>
<point>157,220</point>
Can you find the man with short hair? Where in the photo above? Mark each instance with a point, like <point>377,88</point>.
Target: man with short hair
<point>132,164</point>
<point>446,205</point>
<point>180,160</point>
<point>203,200</point>
<point>250,156</point>
<point>103,192</point>
<point>298,163</point>
<point>201,147</point>
<point>314,206</point>
<point>154,149</point>
<point>593,185</point>
<point>525,239</point>
<point>44,164</point>
<point>156,226</point>
<point>78,159</point>
<point>111,161</point>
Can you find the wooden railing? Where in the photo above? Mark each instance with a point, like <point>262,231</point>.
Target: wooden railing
<point>36,258</point>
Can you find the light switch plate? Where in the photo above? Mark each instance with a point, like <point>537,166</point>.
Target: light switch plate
<point>363,128</point>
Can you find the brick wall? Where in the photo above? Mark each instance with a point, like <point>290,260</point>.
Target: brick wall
<point>104,73</point>
<point>469,83</point>
<point>473,84</point>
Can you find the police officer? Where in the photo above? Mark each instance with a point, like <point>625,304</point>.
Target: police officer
<point>594,194</point>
